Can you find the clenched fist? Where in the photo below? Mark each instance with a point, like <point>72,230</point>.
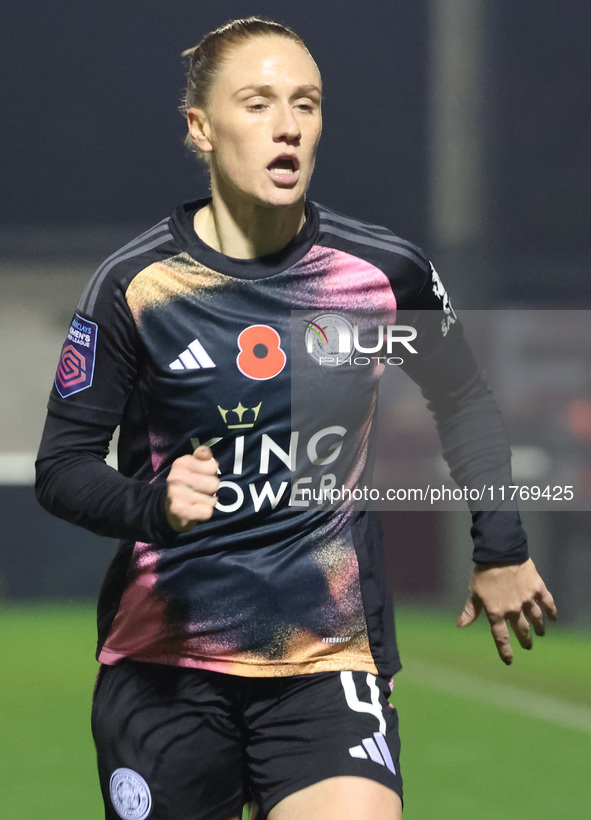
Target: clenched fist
<point>192,486</point>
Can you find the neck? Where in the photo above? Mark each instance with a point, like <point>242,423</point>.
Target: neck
<point>247,230</point>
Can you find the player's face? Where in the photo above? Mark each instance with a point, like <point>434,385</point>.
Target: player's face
<point>262,123</point>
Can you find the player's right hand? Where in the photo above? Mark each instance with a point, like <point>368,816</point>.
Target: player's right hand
<point>192,485</point>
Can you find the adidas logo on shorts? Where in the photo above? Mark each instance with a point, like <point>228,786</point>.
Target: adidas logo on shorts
<point>374,748</point>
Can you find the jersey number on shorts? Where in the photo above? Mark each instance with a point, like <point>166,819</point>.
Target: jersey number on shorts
<point>353,702</point>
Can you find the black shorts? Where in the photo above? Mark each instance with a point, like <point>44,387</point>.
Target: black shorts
<point>182,743</point>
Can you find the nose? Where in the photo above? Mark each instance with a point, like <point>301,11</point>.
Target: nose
<point>287,126</point>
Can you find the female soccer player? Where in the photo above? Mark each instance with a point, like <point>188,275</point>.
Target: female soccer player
<point>245,632</point>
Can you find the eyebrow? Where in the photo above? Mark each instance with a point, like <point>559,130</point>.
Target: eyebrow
<point>301,90</point>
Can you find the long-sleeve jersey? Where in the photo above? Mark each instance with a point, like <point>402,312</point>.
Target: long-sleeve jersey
<point>179,345</point>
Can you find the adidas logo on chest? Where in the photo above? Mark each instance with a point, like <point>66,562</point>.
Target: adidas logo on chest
<point>194,357</point>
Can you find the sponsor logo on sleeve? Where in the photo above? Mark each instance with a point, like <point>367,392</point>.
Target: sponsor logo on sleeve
<point>75,370</point>
<point>439,290</point>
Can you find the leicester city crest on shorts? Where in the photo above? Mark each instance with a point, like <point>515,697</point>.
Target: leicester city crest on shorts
<point>130,795</point>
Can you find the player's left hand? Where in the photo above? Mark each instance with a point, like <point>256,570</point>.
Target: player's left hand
<point>512,594</point>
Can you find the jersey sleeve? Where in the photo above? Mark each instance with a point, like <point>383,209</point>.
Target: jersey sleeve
<point>96,373</point>
<point>472,433</point>
<point>99,359</point>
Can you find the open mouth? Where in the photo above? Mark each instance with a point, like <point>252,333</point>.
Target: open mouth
<point>284,169</point>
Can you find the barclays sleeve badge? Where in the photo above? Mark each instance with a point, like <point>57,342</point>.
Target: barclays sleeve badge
<point>75,370</point>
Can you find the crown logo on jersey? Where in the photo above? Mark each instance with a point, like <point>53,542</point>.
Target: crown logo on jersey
<point>241,417</point>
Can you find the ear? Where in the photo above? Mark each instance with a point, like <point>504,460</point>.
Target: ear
<point>199,129</point>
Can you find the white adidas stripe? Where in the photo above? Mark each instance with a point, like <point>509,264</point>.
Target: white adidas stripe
<point>374,748</point>
<point>193,358</point>
<point>373,751</point>
<point>381,741</point>
<point>201,354</point>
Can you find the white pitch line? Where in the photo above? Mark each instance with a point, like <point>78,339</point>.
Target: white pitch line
<point>471,687</point>
<point>17,468</point>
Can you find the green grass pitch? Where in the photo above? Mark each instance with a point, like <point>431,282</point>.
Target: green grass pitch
<point>480,741</point>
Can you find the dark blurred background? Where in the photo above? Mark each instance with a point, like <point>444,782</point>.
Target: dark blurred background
<point>462,125</point>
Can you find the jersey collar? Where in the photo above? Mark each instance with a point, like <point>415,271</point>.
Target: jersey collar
<point>259,268</point>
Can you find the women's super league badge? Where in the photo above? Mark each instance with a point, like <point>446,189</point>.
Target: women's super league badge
<point>76,365</point>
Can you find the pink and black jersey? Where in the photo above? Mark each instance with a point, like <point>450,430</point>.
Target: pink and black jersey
<point>179,346</point>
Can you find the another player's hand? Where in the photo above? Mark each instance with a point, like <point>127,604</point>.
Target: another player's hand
<point>513,594</point>
<point>192,485</point>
